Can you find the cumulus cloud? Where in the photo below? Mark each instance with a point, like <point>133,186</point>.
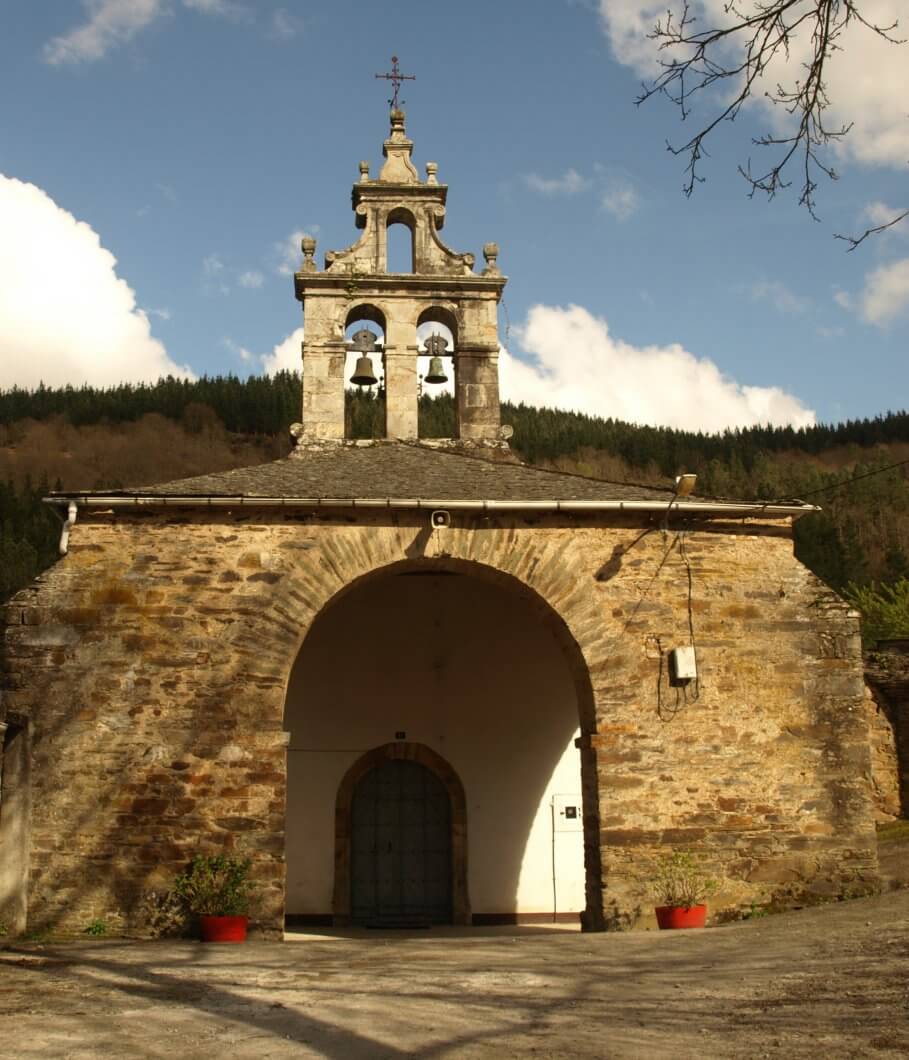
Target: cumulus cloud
<point>575,363</point>
<point>886,293</point>
<point>569,183</point>
<point>84,328</point>
<point>112,23</point>
<point>286,355</point>
<point>865,79</point>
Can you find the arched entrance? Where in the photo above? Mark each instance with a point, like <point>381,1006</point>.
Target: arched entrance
<point>400,850</point>
<point>465,671</point>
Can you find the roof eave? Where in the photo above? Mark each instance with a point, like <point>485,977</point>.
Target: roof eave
<point>716,508</point>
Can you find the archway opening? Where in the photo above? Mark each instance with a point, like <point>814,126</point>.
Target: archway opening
<point>476,674</point>
<point>364,404</point>
<point>399,243</point>
<point>437,415</point>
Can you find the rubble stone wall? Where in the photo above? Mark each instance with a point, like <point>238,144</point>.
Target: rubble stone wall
<point>151,664</point>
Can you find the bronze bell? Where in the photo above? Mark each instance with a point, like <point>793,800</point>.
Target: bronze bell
<point>435,345</point>
<point>436,373</point>
<point>364,374</point>
<point>364,343</point>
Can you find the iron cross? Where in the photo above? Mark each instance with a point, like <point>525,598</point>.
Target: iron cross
<point>396,77</point>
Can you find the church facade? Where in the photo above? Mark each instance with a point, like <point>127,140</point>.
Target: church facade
<point>413,679</point>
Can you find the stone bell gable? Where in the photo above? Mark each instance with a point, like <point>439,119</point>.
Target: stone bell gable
<point>441,286</point>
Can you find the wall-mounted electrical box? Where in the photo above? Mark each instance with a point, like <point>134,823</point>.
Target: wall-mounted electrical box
<point>682,664</point>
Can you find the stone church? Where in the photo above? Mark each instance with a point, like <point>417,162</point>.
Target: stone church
<point>413,679</point>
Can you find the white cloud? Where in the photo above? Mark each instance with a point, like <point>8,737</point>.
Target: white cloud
<point>286,355</point>
<point>212,265</point>
<point>886,293</point>
<point>575,363</point>
<point>163,313</point>
<point>779,296</point>
<point>843,299</point>
<point>879,213</point>
<point>620,199</point>
<point>87,329</point>
<point>865,80</point>
<point>111,23</point>
<point>237,350</point>
<point>252,279</point>
<point>569,183</point>
<point>284,25</point>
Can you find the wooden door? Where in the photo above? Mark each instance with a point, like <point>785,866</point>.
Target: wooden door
<point>400,846</point>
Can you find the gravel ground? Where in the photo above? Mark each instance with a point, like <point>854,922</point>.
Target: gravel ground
<point>832,981</point>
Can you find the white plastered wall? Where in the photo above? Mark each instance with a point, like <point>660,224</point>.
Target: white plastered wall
<point>468,669</point>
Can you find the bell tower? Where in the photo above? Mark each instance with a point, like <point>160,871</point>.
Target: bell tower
<point>441,287</point>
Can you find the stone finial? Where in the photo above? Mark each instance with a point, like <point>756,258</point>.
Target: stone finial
<point>490,255</point>
<point>364,172</point>
<point>308,246</point>
<point>398,168</point>
<point>432,168</point>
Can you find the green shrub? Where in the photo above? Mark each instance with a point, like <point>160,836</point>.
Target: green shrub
<point>215,885</point>
<point>678,880</point>
<point>884,610</point>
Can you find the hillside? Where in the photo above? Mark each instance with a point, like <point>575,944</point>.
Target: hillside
<point>126,436</point>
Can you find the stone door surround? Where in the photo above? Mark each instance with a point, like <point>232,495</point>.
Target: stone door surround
<point>436,764</point>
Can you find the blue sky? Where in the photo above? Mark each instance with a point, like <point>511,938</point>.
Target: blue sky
<point>192,139</point>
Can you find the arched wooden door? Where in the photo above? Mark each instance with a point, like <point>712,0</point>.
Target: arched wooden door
<point>401,850</point>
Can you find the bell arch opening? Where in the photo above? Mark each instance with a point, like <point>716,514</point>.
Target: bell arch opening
<point>471,665</point>
<point>364,373</point>
<point>400,248</point>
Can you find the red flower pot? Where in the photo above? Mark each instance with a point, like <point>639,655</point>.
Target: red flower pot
<point>680,916</point>
<point>223,928</point>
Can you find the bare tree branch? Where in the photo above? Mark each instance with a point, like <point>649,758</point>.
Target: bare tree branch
<point>855,241</point>
<point>755,44</point>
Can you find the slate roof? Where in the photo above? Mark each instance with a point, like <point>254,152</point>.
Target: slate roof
<point>395,470</point>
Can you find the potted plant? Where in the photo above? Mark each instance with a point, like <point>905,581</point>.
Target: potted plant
<point>216,888</point>
<point>682,888</point>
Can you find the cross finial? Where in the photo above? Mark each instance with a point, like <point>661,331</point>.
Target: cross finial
<point>396,77</point>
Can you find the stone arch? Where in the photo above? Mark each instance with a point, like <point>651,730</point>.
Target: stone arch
<point>400,217</point>
<point>440,314</point>
<point>436,764</point>
<point>366,311</point>
<point>567,608</point>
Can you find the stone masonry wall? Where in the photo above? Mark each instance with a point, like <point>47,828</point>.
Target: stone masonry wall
<point>152,663</point>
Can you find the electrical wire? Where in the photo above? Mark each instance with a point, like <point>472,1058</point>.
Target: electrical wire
<point>849,481</point>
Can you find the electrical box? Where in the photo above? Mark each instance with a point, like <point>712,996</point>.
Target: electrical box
<point>682,664</point>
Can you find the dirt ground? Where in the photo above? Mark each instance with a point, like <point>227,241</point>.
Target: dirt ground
<point>832,981</point>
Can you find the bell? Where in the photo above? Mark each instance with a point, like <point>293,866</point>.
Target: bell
<point>436,373</point>
<point>365,374</point>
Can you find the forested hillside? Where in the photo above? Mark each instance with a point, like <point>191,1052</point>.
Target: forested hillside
<point>89,438</point>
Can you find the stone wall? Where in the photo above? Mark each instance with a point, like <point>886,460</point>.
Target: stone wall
<point>887,673</point>
<point>152,662</point>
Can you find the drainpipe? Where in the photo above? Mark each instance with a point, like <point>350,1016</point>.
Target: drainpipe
<point>67,526</point>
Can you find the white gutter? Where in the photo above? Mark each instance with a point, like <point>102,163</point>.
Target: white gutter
<point>691,507</point>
